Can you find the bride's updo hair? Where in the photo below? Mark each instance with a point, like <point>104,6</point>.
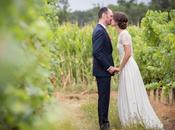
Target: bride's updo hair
<point>121,19</point>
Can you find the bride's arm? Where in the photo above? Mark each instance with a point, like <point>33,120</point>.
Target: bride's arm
<point>127,49</point>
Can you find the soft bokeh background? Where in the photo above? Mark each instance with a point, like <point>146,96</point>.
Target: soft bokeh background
<point>45,47</point>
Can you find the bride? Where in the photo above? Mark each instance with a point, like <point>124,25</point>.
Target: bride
<point>133,103</point>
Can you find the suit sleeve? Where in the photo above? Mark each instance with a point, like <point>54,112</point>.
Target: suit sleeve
<point>98,51</point>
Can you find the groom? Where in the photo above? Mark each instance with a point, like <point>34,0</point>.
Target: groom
<point>103,64</point>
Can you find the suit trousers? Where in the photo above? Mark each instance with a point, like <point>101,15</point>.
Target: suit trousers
<point>103,85</point>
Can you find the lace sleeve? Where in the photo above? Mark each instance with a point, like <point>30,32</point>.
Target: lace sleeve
<point>126,39</point>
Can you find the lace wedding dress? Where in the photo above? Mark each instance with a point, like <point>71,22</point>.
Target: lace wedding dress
<point>133,101</point>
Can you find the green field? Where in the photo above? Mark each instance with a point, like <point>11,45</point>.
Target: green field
<point>39,56</point>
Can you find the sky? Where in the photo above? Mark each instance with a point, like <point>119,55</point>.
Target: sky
<point>88,4</point>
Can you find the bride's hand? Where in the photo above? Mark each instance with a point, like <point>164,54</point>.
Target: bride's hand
<point>117,69</point>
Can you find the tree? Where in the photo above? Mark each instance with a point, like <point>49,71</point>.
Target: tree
<point>162,4</point>
<point>63,13</point>
<point>83,17</point>
<point>134,10</point>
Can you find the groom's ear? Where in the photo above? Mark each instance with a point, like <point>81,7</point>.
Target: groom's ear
<point>104,15</point>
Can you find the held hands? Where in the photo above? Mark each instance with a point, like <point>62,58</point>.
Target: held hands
<point>117,69</point>
<point>113,70</point>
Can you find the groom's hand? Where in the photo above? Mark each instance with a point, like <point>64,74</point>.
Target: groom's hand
<point>111,69</point>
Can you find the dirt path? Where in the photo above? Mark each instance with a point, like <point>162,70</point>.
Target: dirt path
<point>165,111</point>
<point>73,103</point>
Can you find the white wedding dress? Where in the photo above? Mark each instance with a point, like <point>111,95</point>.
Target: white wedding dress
<point>133,102</point>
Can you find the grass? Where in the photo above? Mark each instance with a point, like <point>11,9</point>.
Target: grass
<point>55,117</point>
<point>90,110</point>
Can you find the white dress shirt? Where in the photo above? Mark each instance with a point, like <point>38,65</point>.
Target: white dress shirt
<point>102,25</point>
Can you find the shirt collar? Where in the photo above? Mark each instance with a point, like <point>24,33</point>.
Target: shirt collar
<point>102,25</point>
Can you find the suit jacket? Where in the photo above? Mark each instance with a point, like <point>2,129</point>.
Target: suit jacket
<point>102,52</point>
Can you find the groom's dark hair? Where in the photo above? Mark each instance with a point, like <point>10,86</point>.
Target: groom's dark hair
<point>101,11</point>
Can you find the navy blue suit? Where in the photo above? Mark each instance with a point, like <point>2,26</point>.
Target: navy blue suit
<point>102,52</point>
<point>102,60</point>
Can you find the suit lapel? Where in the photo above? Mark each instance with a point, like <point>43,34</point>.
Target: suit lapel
<point>110,44</point>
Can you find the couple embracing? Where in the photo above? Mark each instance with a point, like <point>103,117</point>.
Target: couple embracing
<point>133,102</point>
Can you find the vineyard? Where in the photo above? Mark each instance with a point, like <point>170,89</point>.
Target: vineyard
<point>39,57</point>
